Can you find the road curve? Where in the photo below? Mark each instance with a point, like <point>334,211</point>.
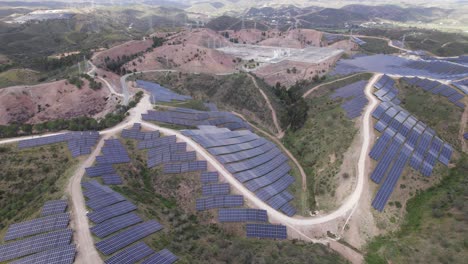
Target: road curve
<point>273,214</point>
<point>308,92</point>
<point>123,83</point>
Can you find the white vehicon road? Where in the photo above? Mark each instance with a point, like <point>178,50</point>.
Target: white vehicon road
<point>83,238</point>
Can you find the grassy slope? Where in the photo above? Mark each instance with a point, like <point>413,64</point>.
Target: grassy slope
<point>30,177</point>
<point>194,237</point>
<point>231,93</point>
<point>434,110</point>
<point>377,46</point>
<point>435,229</point>
<point>18,77</point>
<point>327,132</point>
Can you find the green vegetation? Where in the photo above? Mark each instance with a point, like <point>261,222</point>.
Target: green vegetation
<point>192,236</point>
<point>434,110</point>
<point>435,229</point>
<point>30,177</point>
<point>326,133</point>
<point>74,124</point>
<point>235,92</point>
<point>76,80</point>
<point>437,42</point>
<point>191,104</point>
<point>18,77</point>
<point>295,105</point>
<point>377,46</point>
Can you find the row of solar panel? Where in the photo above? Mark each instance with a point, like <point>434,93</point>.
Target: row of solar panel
<point>404,139</point>
<point>79,143</point>
<point>196,118</point>
<point>114,215</point>
<point>254,161</point>
<point>356,99</point>
<point>42,240</point>
<point>437,88</point>
<point>218,192</point>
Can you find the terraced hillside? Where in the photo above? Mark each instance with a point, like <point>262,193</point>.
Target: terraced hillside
<point>235,92</point>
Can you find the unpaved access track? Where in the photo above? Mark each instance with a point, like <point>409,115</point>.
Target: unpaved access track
<point>280,132</point>
<point>88,254</point>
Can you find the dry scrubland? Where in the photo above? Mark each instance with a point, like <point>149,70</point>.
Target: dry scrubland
<point>30,177</point>
<point>50,101</point>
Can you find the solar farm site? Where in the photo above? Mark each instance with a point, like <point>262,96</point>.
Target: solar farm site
<point>272,131</point>
<point>395,65</point>
<point>193,118</point>
<point>45,239</point>
<point>404,139</point>
<point>173,157</point>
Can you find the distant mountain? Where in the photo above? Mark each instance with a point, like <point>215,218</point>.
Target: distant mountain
<point>331,17</point>
<point>396,13</point>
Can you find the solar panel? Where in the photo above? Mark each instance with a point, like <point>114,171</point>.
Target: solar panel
<point>104,200</point>
<point>108,212</point>
<point>162,257</point>
<point>54,207</point>
<point>132,254</point>
<point>242,215</point>
<point>266,231</point>
<point>112,225</point>
<point>112,179</point>
<point>209,177</point>
<point>35,244</point>
<point>60,255</point>
<point>37,226</point>
<point>216,189</point>
<point>219,202</point>
<point>114,243</point>
<point>99,170</point>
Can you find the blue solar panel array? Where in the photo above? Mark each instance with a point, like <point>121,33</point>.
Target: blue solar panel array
<point>54,207</point>
<point>435,87</point>
<point>60,255</point>
<point>37,226</point>
<point>387,91</point>
<point>194,118</point>
<point>356,98</point>
<point>161,94</point>
<point>113,152</point>
<point>162,257</point>
<point>252,160</point>
<point>404,140</point>
<point>462,85</point>
<point>113,215</point>
<point>136,133</point>
<point>115,224</point>
<point>130,255</point>
<point>266,231</point>
<point>47,238</point>
<point>79,143</point>
<point>242,215</point>
<point>127,237</point>
<point>358,41</point>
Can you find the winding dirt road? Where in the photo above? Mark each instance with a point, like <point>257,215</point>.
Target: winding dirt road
<point>87,252</point>
<point>323,84</point>
<point>280,133</point>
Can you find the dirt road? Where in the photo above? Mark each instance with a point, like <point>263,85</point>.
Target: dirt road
<point>280,133</point>
<point>273,214</point>
<point>323,84</point>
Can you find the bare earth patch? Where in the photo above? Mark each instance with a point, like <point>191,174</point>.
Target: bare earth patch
<point>49,101</point>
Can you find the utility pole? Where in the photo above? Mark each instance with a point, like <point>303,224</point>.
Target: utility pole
<point>243,23</point>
